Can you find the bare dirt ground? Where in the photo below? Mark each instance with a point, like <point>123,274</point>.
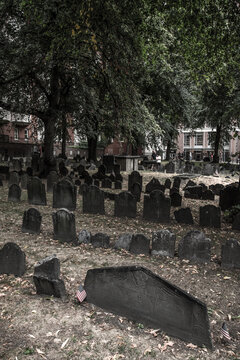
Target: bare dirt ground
<point>38,327</point>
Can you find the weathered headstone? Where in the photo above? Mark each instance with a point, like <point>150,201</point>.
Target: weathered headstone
<point>35,163</point>
<point>36,192</point>
<point>107,183</point>
<point>231,254</point>
<point>140,244</point>
<point>14,193</point>
<point>93,201</point>
<point>12,260</point>
<point>194,246</point>
<point>176,199</point>
<point>184,216</point>
<point>216,188</point>
<point>108,161</point>
<point>118,185</point>
<point>156,207</point>
<point>64,226</point>
<point>193,192</point>
<point>204,186</point>
<point>133,178</point>
<point>140,295</point>
<point>176,182</point>
<point>229,197</point>
<point>84,237</point>
<point>136,191</point>
<point>173,190</point>
<point>210,216</point>
<point>208,195</point>
<point>17,165</point>
<point>52,178</point>
<point>189,183</point>
<point>31,221</point>
<point>13,178</point>
<point>125,205</point>
<point>96,182</point>
<point>167,183</point>
<point>46,278</point>
<point>100,240</point>
<point>123,242</point>
<point>64,195</point>
<point>170,167</point>
<point>236,222</point>
<point>83,188</point>
<point>208,169</point>
<point>154,184</point>
<point>24,181</point>
<point>163,243</point>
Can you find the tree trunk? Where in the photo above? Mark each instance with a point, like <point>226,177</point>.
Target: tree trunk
<point>216,144</point>
<point>64,136</point>
<point>92,148</point>
<point>169,143</point>
<point>49,131</point>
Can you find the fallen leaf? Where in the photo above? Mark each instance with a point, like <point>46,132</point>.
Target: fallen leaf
<point>32,336</point>
<point>191,346</point>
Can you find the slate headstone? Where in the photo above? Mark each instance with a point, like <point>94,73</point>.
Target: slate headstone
<point>36,192</point>
<point>154,184</point>
<point>84,237</point>
<point>14,193</point>
<point>208,195</point>
<point>193,192</point>
<point>118,185</point>
<point>216,188</point>
<point>100,240</point>
<point>156,207</point>
<point>194,246</point>
<point>167,183</point>
<point>176,199</point>
<point>64,195</point>
<point>52,178</point>
<point>125,205</point>
<point>140,244</point>
<point>189,183</point>
<point>133,178</point>
<point>12,260</point>
<point>29,171</point>
<point>24,181</point>
<point>107,183</point>
<point>64,226</point>
<point>231,254</point>
<point>17,165</point>
<point>176,182</point>
<point>138,294</point>
<point>184,216</point>
<point>163,243</point>
<point>13,178</point>
<point>48,267</point>
<point>170,167</point>
<point>136,191</point>
<point>229,197</point>
<point>123,242</point>
<point>93,201</point>
<point>31,221</point>
<point>210,216</point>
<point>236,222</point>
<point>83,188</point>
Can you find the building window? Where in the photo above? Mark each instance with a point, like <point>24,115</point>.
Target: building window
<point>16,134</point>
<point>186,139</point>
<point>26,134</point>
<point>199,139</point>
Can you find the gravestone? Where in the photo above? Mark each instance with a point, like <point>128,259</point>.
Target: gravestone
<point>83,188</point>
<point>231,254</point>
<point>216,188</point>
<point>229,197</point>
<point>12,260</point>
<point>88,180</point>
<point>36,192</point>
<point>156,207</point>
<point>208,195</point>
<point>118,185</point>
<point>193,192</point>
<point>210,216</point>
<point>109,195</point>
<point>29,171</point>
<point>64,195</point>
<point>204,186</point>
<point>77,182</point>
<point>123,242</point>
<point>112,177</point>
<point>188,167</point>
<point>119,177</point>
<point>167,184</point>
<point>176,199</point>
<point>101,173</point>
<point>236,222</point>
<point>184,216</point>
<point>138,294</point>
<point>173,190</point>
<point>189,183</point>
<point>170,167</point>
<point>125,205</point>
<point>116,169</point>
<point>93,201</point>
<point>194,246</point>
<point>14,193</point>
<point>108,161</point>
<point>208,169</point>
<point>154,184</point>
<point>13,178</point>
<point>163,243</point>
<point>84,237</point>
<point>46,278</point>
<point>176,182</point>
<point>136,191</point>
<point>64,226</point>
<point>80,169</point>
<point>35,163</point>
<point>24,181</point>
<point>133,178</point>
<point>63,171</point>
<point>31,221</point>
<point>100,240</point>
<point>52,178</point>
<point>107,183</point>
<point>96,182</point>
<point>16,164</point>
<point>140,244</point>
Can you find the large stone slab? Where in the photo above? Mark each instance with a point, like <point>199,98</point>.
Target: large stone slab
<point>142,296</point>
<point>12,260</point>
<point>184,216</point>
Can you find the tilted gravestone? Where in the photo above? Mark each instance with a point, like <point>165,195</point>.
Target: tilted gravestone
<point>13,178</point>
<point>184,216</point>
<point>167,183</point>
<point>236,222</point>
<point>123,242</point>
<point>52,178</point>
<point>93,201</point>
<point>64,226</point>
<point>133,178</point>
<point>229,197</point>
<point>154,184</point>
<point>140,244</point>
<point>46,278</point>
<point>140,295</point>
<point>64,195</point>
<point>31,221</point>
<point>156,207</point>
<point>36,192</point>
<point>12,260</point>
<point>163,243</point>
<point>24,181</point>
<point>194,246</point>
<point>176,182</point>
<point>14,193</point>
<point>118,185</point>
<point>125,205</point>
<point>176,199</point>
<point>100,240</point>
<point>84,237</point>
<point>208,195</point>
<point>210,216</point>
<point>136,191</point>
<point>231,254</point>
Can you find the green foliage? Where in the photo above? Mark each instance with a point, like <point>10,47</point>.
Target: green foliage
<point>28,351</point>
<point>230,214</point>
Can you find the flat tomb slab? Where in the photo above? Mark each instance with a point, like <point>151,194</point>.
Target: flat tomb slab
<point>142,296</point>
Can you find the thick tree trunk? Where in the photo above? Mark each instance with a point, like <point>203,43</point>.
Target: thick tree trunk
<point>92,148</point>
<point>49,132</point>
<point>64,136</point>
<point>216,144</point>
<point>169,143</point>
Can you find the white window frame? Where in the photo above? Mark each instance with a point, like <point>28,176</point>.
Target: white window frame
<point>16,133</point>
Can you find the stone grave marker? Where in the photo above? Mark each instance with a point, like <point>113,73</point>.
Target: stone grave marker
<point>133,178</point>
<point>176,182</point>
<point>123,242</point>
<point>163,243</point>
<point>107,183</point>
<point>236,222</point>
<point>189,183</point>
<point>216,188</point>
<point>136,191</point>
<point>125,205</point>
<point>231,254</point>
<point>24,181</point>
<point>29,171</point>
<point>204,186</point>
<point>154,184</point>
<point>229,197</point>
<point>12,260</point>
<point>100,240</point>
<point>118,185</point>
<point>116,169</point>
<point>46,278</point>
<point>36,192</point>
<point>93,201</point>
<point>193,192</point>
<point>156,207</point>
<point>31,221</point>
<point>64,226</point>
<point>140,295</point>
<point>84,237</point>
<point>184,216</point>
<point>194,246</point>
<point>88,180</point>
<point>140,244</point>
<point>83,188</point>
<point>77,182</point>
<point>173,190</point>
<point>170,167</point>
<point>101,173</point>
<point>96,182</point>
<point>176,199</point>
<point>210,216</point>
<point>16,164</point>
<point>52,178</point>
<point>13,178</point>
<point>208,195</point>
<point>14,193</point>
<point>167,183</point>
<point>64,195</point>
